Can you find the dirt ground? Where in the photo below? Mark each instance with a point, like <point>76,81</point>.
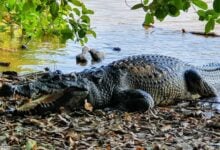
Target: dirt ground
<point>175,127</point>
<point>182,126</point>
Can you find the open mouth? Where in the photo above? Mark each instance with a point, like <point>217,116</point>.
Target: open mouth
<point>81,93</point>
<point>79,89</point>
<point>76,92</point>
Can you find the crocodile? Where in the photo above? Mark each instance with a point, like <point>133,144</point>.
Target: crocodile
<point>135,83</point>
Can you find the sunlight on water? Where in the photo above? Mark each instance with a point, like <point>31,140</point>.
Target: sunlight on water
<point>117,27</point>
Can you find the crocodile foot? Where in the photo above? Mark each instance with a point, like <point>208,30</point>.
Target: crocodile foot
<point>133,100</point>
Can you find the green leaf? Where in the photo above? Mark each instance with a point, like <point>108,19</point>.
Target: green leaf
<point>145,2</point>
<point>85,39</point>
<point>149,19</point>
<point>216,6</point>
<point>77,3</point>
<point>31,144</point>
<point>186,5</point>
<point>81,33</point>
<point>77,12</point>
<point>218,21</point>
<point>210,25</point>
<point>137,6</point>
<point>178,4</point>
<point>54,9</point>
<point>66,33</point>
<point>161,14</point>
<point>3,28</point>
<point>28,7</point>
<point>11,4</point>
<point>85,19</point>
<point>39,8</point>
<point>201,13</point>
<point>92,33</point>
<point>211,13</point>
<point>173,11</point>
<point>145,8</point>
<point>201,4</point>
<point>81,42</point>
<point>87,11</point>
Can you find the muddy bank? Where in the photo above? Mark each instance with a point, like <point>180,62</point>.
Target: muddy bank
<point>183,126</point>
<point>165,128</point>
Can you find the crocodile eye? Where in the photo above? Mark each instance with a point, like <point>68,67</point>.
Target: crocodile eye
<point>98,76</point>
<point>73,76</point>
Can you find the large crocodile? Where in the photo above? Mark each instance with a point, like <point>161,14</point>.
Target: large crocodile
<point>136,83</point>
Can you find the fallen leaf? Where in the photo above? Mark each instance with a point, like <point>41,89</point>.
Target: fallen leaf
<point>13,139</point>
<point>156,146</point>
<point>108,147</point>
<point>127,117</point>
<point>140,148</point>
<point>64,120</point>
<point>166,128</point>
<point>88,106</point>
<point>73,135</point>
<point>185,124</point>
<point>31,145</point>
<point>71,142</point>
<point>169,138</point>
<point>36,122</point>
<point>215,125</point>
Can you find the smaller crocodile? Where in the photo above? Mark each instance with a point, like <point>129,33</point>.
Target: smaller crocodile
<point>135,83</point>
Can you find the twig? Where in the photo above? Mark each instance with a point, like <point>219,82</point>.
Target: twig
<point>127,4</point>
<point>154,115</point>
<point>213,132</point>
<point>201,33</point>
<point>5,64</point>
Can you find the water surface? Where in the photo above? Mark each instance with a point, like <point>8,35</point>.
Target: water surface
<point>117,26</point>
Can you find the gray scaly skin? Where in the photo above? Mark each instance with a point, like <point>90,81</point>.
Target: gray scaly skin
<point>138,83</point>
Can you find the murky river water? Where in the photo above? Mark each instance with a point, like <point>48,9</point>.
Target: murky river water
<point>117,26</point>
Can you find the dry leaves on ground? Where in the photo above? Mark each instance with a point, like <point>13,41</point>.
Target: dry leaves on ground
<point>167,128</point>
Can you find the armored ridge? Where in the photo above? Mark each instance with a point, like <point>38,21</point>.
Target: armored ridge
<point>136,83</point>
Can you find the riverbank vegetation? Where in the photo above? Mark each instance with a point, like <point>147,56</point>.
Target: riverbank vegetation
<point>65,19</point>
<point>70,19</point>
<point>160,9</point>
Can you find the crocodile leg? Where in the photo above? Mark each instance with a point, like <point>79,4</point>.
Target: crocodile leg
<point>197,85</point>
<point>132,100</point>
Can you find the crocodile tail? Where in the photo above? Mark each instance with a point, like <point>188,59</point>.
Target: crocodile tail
<point>210,71</point>
<point>211,74</point>
<point>211,66</point>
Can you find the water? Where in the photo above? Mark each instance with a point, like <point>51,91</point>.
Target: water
<point>117,26</point>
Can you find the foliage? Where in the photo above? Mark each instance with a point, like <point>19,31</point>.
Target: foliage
<point>65,19</point>
<point>159,9</point>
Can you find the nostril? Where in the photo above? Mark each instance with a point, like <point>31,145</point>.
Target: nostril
<point>6,90</point>
<point>57,77</point>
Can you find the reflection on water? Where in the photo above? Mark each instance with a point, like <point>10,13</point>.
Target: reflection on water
<point>28,60</point>
<point>117,26</point>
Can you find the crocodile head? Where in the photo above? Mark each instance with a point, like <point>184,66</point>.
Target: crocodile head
<point>71,95</point>
<point>76,94</point>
